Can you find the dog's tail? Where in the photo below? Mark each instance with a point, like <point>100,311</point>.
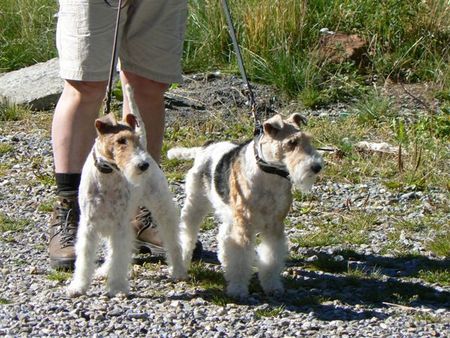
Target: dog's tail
<point>183,153</point>
<point>135,111</point>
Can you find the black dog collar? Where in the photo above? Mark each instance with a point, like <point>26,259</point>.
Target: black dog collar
<point>104,166</point>
<point>266,167</point>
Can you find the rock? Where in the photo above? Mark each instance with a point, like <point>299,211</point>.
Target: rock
<point>340,47</point>
<point>38,86</point>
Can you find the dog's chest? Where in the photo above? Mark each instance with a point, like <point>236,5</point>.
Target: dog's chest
<point>109,199</point>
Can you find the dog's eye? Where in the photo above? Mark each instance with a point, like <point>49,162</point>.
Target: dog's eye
<point>122,140</point>
<point>291,144</point>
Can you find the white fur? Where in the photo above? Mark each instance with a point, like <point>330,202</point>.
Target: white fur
<point>108,203</point>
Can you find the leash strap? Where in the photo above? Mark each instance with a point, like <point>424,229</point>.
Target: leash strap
<point>107,100</point>
<point>240,61</point>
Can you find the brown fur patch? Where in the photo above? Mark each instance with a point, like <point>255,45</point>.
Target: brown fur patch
<point>118,147</point>
<point>239,195</point>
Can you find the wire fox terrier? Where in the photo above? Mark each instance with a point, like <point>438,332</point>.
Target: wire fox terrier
<point>119,176</point>
<point>249,187</point>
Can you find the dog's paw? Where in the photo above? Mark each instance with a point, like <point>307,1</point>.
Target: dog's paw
<point>275,292</point>
<point>76,290</point>
<point>178,274</point>
<point>101,272</point>
<point>118,287</point>
<point>237,291</point>
<point>273,288</point>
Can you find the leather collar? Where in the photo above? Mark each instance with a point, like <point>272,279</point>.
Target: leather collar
<point>266,167</point>
<point>104,166</point>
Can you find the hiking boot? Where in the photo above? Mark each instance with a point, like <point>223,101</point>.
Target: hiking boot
<point>148,239</point>
<point>63,231</point>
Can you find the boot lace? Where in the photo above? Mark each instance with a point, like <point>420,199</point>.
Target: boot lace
<point>66,224</point>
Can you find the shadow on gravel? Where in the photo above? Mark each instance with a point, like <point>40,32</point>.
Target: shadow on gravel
<point>337,290</point>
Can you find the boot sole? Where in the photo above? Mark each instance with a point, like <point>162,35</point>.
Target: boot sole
<point>62,264</point>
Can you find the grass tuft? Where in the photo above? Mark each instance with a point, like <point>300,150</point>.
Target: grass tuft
<point>59,276</point>
<point>10,224</point>
<point>269,312</point>
<point>12,112</point>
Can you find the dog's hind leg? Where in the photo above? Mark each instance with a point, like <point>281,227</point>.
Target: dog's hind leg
<point>86,250</point>
<point>271,254</point>
<point>196,207</point>
<point>121,246</point>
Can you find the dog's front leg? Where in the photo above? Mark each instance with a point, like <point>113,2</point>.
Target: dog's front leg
<point>86,249</point>
<point>236,253</point>
<point>167,216</point>
<point>121,246</point>
<point>271,254</point>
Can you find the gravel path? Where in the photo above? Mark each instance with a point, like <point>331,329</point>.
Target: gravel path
<point>317,303</point>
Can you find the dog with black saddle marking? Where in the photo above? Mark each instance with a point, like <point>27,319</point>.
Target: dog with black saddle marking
<point>248,186</point>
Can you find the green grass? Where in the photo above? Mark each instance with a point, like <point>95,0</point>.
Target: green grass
<point>12,112</point>
<point>27,32</point>
<point>349,229</point>
<point>269,312</point>
<point>207,278</point>
<point>279,41</point>
<point>46,206</point>
<point>5,148</point>
<point>438,276</point>
<point>428,317</point>
<point>4,301</point>
<point>440,245</point>
<point>212,282</point>
<point>59,276</point>
<point>407,40</point>
<point>12,224</point>
<point>4,169</point>
<point>208,224</point>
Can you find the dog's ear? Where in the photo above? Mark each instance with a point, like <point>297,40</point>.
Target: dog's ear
<point>131,120</point>
<point>298,119</point>
<point>105,123</point>
<point>273,125</point>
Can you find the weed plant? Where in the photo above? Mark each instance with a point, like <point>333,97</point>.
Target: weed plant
<point>27,32</point>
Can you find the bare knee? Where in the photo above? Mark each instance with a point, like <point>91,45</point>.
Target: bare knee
<point>144,87</point>
<point>85,91</point>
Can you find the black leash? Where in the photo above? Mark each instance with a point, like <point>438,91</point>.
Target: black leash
<point>240,61</point>
<point>107,100</point>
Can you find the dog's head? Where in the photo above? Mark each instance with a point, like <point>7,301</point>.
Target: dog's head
<point>118,144</point>
<point>285,144</point>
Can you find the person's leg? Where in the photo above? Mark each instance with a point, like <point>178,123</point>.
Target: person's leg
<point>84,36</point>
<point>73,130</point>
<point>73,134</point>
<point>149,96</point>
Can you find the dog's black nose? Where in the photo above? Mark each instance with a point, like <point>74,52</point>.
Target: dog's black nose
<point>143,166</point>
<point>316,168</point>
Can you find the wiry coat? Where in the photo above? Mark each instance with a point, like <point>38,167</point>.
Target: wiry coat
<point>248,186</point>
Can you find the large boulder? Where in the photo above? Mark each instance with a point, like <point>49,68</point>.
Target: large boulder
<point>37,87</point>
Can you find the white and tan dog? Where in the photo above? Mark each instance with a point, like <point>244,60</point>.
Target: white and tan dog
<point>119,176</point>
<point>249,188</point>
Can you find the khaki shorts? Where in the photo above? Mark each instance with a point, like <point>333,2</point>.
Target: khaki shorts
<point>150,40</point>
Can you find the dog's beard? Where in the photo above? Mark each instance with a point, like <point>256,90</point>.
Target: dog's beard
<point>303,178</point>
<point>132,173</point>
